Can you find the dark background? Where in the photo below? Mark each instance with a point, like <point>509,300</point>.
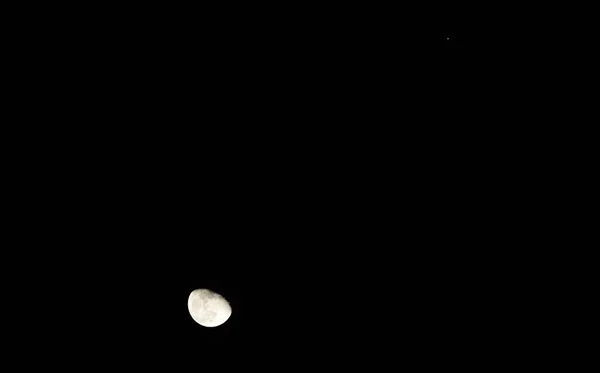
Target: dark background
<point>409,259</point>
<point>332,182</point>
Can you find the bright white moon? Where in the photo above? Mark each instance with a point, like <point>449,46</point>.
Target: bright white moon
<point>208,308</point>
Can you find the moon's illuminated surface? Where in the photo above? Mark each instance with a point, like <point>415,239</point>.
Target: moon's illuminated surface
<point>208,308</point>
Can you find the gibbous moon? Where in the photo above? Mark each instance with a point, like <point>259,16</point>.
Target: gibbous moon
<point>208,308</point>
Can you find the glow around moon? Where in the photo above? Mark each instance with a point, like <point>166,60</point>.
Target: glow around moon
<point>208,308</point>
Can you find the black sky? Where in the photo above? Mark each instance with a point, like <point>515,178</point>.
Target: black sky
<point>339,267</point>
<point>326,269</point>
<point>259,161</point>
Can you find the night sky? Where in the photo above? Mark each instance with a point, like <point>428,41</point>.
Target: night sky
<point>313,177</point>
<point>322,265</point>
<point>340,260</point>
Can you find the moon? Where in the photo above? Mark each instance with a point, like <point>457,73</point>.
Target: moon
<point>208,308</point>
